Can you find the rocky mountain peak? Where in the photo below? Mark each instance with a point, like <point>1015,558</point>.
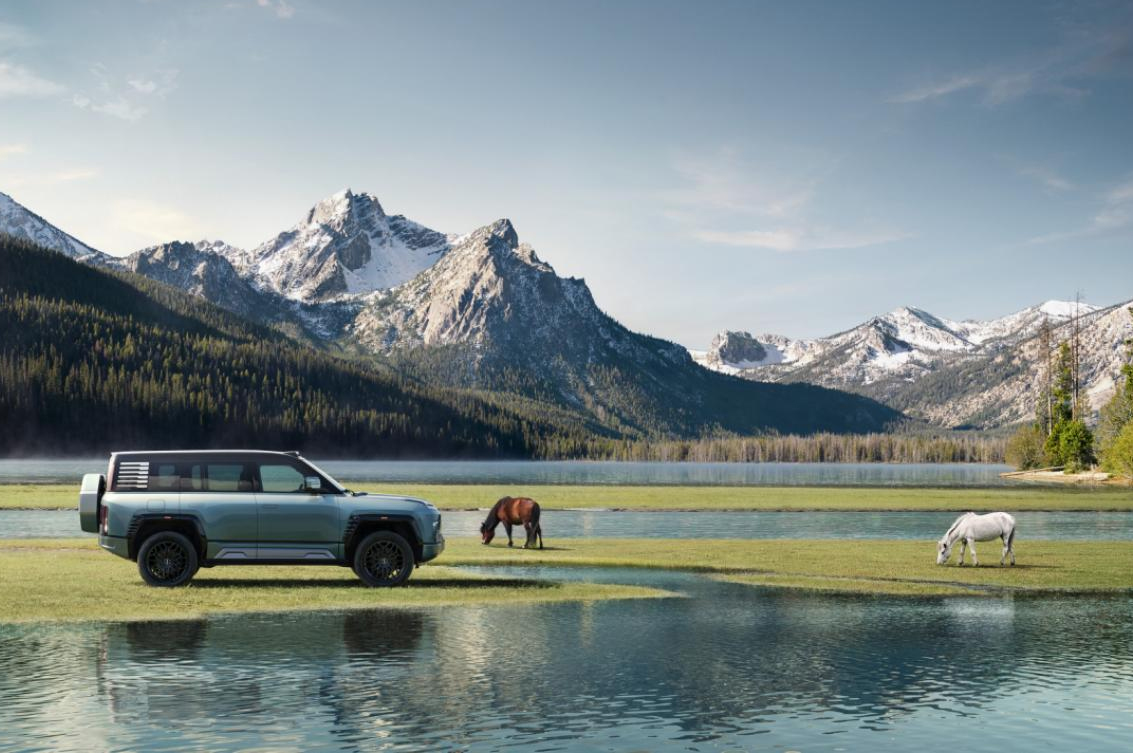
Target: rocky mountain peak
<point>19,221</point>
<point>345,245</point>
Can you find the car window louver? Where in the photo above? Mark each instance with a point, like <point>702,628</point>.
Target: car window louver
<point>132,475</point>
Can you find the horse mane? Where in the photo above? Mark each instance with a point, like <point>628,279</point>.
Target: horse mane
<point>494,513</point>
<point>956,524</point>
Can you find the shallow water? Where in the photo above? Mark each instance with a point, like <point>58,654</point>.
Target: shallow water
<point>70,470</point>
<point>705,524</point>
<point>726,668</point>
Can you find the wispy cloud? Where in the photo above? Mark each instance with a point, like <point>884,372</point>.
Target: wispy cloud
<point>719,182</point>
<point>55,178</point>
<point>7,150</point>
<point>1045,177</point>
<point>281,8</point>
<point>18,81</point>
<point>722,191</point>
<point>122,98</point>
<point>805,239</point>
<point>1113,214</point>
<point>159,84</point>
<point>119,107</point>
<point>152,220</point>
<point>1064,70</point>
<point>12,36</point>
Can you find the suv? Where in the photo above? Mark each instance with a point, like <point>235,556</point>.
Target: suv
<point>174,512</point>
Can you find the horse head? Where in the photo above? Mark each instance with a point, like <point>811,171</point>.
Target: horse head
<point>487,532</point>
<point>943,551</point>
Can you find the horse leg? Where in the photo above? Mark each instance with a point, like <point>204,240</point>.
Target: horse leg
<point>963,549</point>
<point>1003,555</point>
<point>528,542</point>
<point>1011,546</point>
<point>507,527</point>
<point>972,546</point>
<point>539,530</point>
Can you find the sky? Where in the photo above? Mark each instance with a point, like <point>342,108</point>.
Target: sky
<point>786,167</point>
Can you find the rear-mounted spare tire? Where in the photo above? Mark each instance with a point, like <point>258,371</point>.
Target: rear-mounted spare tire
<point>90,497</point>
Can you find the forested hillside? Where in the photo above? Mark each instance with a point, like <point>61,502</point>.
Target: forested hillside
<point>91,360</point>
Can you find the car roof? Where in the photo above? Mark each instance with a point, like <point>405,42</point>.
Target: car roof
<point>217,454</point>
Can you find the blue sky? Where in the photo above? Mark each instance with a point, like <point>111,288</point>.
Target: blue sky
<point>786,167</point>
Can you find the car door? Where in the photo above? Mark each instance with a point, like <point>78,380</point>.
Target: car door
<point>221,495</point>
<point>294,523</point>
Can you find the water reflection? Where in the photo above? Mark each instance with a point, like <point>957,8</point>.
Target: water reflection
<point>70,470</point>
<point>702,672</point>
<point>703,524</point>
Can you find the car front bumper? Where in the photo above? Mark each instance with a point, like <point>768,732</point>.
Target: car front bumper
<point>432,551</point>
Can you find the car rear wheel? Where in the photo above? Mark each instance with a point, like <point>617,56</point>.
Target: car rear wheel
<point>167,559</point>
<point>383,559</point>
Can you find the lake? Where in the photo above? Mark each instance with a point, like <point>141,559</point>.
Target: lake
<point>70,470</point>
<point>727,668</point>
<point>704,524</point>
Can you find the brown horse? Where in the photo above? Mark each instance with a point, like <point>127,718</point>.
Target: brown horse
<point>514,511</point>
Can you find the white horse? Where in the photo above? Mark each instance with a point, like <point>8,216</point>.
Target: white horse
<point>970,528</point>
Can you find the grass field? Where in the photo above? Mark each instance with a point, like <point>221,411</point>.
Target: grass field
<point>60,496</point>
<point>890,567</point>
<point>72,580</point>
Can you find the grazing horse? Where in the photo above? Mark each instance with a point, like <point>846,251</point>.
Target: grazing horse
<point>970,528</point>
<point>514,511</point>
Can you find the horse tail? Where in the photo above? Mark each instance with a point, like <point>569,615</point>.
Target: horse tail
<point>1011,536</point>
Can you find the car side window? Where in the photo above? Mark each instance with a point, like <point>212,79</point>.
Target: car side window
<point>163,477</point>
<point>194,479</point>
<point>280,478</point>
<point>229,477</point>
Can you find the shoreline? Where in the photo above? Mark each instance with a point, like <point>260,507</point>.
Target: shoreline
<point>44,580</point>
<point>1024,497</point>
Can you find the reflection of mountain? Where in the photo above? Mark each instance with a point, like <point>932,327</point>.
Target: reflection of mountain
<point>728,662</point>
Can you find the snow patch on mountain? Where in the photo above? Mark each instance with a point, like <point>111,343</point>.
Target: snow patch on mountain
<point>19,221</point>
<point>346,245</point>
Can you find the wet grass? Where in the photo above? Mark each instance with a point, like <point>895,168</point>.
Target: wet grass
<point>1024,497</point>
<point>72,580</point>
<point>851,566</point>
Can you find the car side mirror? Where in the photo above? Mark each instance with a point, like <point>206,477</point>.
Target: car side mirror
<point>312,484</point>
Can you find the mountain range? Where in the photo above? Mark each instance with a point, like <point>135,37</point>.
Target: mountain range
<point>950,373</point>
<point>478,313</point>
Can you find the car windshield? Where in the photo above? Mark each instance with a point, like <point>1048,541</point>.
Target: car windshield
<point>327,476</point>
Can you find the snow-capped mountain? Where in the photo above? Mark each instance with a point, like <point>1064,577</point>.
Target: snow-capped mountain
<point>199,269</point>
<point>949,372</point>
<point>484,312</point>
<point>490,314</point>
<point>21,222</point>
<point>344,245</point>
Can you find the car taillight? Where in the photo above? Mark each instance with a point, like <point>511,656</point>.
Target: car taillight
<point>102,515</point>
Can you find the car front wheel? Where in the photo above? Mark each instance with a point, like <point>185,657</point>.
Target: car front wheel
<point>167,559</point>
<point>383,559</point>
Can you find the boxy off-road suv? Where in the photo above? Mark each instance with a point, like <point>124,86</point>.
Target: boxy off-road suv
<point>174,512</point>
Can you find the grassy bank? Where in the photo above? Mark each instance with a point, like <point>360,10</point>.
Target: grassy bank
<point>72,580</point>
<point>65,496</point>
<point>890,567</point>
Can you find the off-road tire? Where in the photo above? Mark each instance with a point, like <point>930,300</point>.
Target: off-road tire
<point>383,559</point>
<point>167,559</point>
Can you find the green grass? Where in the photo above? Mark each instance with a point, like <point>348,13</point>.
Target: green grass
<point>72,580</point>
<point>890,567</point>
<point>65,496</point>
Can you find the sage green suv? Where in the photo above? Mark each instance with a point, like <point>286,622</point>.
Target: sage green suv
<point>175,512</point>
